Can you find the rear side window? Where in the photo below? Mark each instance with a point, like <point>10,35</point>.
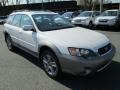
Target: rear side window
<point>10,19</point>
<point>16,20</point>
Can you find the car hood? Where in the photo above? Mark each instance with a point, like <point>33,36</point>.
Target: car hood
<point>80,18</point>
<point>78,37</point>
<point>106,17</point>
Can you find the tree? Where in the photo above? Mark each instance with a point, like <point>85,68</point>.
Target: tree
<point>28,1</point>
<point>88,4</point>
<point>17,2</point>
<point>4,2</point>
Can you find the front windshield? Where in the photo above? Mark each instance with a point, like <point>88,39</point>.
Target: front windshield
<point>96,13</point>
<point>85,14</point>
<point>68,14</point>
<point>49,22</point>
<point>109,13</point>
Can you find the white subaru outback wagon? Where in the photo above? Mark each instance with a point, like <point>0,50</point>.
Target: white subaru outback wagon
<point>60,46</point>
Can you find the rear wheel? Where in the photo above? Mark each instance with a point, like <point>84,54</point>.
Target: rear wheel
<point>9,43</point>
<point>51,64</point>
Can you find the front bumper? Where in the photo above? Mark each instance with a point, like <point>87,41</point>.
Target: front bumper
<point>84,23</point>
<point>81,66</point>
<point>104,23</point>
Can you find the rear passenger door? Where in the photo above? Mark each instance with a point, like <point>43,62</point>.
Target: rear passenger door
<point>14,27</point>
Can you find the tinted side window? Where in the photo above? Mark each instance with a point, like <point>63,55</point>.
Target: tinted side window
<point>16,20</point>
<point>10,19</point>
<point>26,20</point>
<point>96,13</point>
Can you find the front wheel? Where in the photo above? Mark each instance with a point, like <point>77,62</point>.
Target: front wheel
<point>91,25</point>
<point>51,64</point>
<point>117,25</point>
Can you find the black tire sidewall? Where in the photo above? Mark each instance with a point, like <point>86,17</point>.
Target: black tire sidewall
<point>90,24</point>
<point>8,37</point>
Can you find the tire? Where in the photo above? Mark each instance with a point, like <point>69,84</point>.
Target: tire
<point>117,26</point>
<point>90,25</point>
<point>9,43</point>
<point>50,64</point>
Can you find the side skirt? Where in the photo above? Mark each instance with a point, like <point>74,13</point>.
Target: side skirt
<point>35,54</point>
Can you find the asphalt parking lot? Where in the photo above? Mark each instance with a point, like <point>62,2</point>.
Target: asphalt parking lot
<point>21,71</point>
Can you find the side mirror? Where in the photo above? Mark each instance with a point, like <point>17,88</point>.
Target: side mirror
<point>28,28</point>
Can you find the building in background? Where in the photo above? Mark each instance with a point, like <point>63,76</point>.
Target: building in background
<point>17,2</point>
<point>116,2</point>
<point>89,4</point>
<point>112,4</point>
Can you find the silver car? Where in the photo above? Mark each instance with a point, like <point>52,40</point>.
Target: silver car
<point>108,18</point>
<point>57,43</point>
<point>86,18</point>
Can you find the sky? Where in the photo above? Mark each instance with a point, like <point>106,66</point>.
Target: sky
<point>115,1</point>
<point>32,1</point>
<point>11,2</point>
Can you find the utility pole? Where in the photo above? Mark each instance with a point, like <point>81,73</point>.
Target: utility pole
<point>42,5</point>
<point>101,6</point>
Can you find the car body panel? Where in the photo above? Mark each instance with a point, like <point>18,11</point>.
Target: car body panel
<point>85,20</point>
<point>60,40</point>
<point>108,20</point>
<point>83,37</point>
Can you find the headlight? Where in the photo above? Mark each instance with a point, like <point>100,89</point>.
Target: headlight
<point>113,20</point>
<point>81,52</point>
<point>74,51</point>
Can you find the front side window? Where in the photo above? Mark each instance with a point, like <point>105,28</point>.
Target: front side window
<point>109,13</point>
<point>49,22</point>
<point>26,20</point>
<point>16,20</point>
<point>68,14</point>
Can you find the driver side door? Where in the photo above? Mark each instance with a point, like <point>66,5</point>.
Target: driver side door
<point>28,39</point>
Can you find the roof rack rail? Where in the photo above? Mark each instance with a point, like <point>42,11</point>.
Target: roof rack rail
<point>21,10</point>
<point>31,10</point>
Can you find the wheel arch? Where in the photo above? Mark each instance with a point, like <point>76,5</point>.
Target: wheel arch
<point>6,34</point>
<point>52,48</point>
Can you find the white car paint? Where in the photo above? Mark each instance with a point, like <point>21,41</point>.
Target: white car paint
<point>81,20</point>
<point>59,41</point>
<point>72,37</point>
<point>111,20</point>
<point>84,20</point>
<point>77,37</point>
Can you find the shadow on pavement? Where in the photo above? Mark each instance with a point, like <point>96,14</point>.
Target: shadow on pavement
<point>108,79</point>
<point>112,29</point>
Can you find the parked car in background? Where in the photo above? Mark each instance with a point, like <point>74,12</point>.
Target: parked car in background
<point>108,18</point>
<point>57,43</point>
<point>86,18</point>
<point>2,19</point>
<point>70,15</point>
